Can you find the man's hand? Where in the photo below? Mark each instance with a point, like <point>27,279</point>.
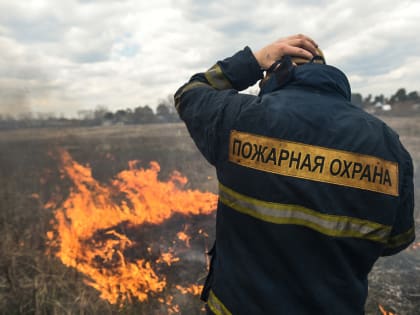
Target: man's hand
<point>296,45</point>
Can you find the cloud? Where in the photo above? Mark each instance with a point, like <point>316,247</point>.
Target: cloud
<point>405,75</point>
<point>72,55</point>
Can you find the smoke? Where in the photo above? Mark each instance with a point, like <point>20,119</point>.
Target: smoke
<point>14,100</point>
<point>13,95</point>
<point>23,96</point>
<point>24,84</point>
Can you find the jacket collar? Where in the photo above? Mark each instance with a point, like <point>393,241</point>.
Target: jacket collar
<point>318,77</point>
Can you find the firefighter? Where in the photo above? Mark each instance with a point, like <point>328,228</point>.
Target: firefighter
<point>312,189</point>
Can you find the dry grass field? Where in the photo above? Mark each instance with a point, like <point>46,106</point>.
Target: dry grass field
<point>37,184</point>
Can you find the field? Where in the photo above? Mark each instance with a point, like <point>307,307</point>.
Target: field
<point>46,174</point>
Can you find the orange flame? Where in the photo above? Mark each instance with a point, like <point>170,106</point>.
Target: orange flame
<point>135,197</point>
<point>414,246</point>
<point>193,289</point>
<point>385,312</point>
<point>167,258</point>
<point>184,237</point>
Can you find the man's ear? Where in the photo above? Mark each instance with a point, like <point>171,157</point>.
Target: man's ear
<point>284,73</point>
<point>264,80</point>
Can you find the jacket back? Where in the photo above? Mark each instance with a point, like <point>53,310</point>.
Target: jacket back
<point>312,190</point>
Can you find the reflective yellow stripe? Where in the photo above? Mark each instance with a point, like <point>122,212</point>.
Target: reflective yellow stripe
<point>322,164</point>
<point>186,88</point>
<point>216,306</point>
<point>332,225</point>
<point>217,79</point>
<point>401,239</point>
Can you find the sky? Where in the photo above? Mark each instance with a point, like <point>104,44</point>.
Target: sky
<point>67,56</point>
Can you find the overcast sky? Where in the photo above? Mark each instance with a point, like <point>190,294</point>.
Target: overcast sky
<point>66,56</point>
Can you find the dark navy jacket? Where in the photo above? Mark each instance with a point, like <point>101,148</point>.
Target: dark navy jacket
<point>313,190</point>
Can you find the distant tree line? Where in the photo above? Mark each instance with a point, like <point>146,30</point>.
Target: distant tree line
<point>164,113</point>
<point>100,116</point>
<point>400,96</point>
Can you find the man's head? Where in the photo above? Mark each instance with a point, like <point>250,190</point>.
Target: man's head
<point>295,62</point>
<point>318,58</point>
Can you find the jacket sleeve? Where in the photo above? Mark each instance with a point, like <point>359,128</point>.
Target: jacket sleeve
<point>210,101</point>
<point>403,230</point>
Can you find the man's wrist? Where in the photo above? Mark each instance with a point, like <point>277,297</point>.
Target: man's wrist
<point>242,69</point>
<point>260,58</point>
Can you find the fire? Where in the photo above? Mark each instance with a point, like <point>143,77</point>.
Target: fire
<point>414,246</point>
<point>88,230</point>
<point>184,237</point>
<point>193,289</point>
<point>168,258</point>
<point>385,312</point>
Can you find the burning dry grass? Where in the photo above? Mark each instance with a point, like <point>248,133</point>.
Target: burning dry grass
<point>134,198</point>
<point>34,283</point>
<point>384,311</point>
